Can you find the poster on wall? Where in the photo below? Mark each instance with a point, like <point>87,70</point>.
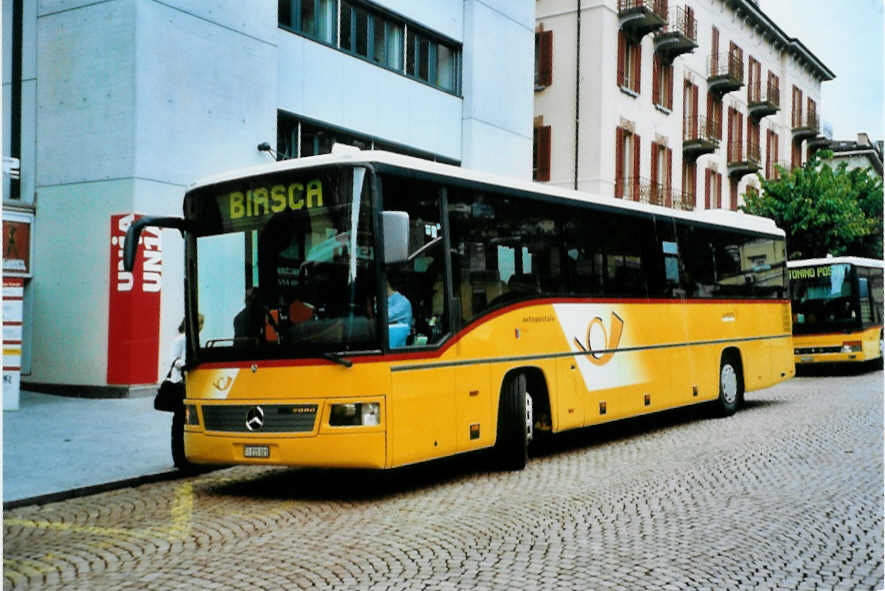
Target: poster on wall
<point>13,294</point>
<point>17,244</point>
<point>134,306</point>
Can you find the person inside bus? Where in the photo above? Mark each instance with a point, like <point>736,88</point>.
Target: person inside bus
<point>248,321</point>
<point>399,316</point>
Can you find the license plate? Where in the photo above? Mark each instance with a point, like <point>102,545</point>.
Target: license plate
<point>256,451</point>
<point>806,359</point>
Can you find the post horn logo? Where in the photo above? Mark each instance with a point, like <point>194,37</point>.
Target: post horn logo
<point>222,383</point>
<point>610,342</point>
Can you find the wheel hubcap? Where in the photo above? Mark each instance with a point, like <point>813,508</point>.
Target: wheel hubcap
<point>529,418</point>
<point>728,384</point>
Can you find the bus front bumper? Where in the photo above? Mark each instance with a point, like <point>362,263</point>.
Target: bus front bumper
<point>339,450</point>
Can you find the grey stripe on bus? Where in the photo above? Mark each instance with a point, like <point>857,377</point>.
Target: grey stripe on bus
<point>580,353</point>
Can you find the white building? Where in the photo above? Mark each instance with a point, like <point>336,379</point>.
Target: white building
<point>115,106</point>
<point>677,103</point>
<point>861,153</point>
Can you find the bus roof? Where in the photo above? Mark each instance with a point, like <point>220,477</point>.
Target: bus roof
<point>856,261</point>
<point>353,156</point>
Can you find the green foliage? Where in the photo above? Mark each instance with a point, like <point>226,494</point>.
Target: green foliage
<point>823,210</point>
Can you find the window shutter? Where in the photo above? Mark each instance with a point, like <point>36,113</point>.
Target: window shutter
<point>654,164</point>
<point>768,154</point>
<point>544,153</point>
<point>619,162</point>
<point>546,61</point>
<point>714,57</point>
<point>707,199</point>
<point>656,80</point>
<point>622,46</point>
<point>718,190</point>
<point>668,177</point>
<point>670,87</point>
<point>694,103</point>
<point>740,128</point>
<point>636,167</point>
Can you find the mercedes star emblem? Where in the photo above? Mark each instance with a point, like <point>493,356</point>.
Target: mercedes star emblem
<point>255,418</point>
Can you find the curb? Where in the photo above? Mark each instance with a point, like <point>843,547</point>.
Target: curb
<point>94,489</point>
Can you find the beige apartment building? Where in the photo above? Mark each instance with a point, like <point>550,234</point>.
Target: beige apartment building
<point>673,103</point>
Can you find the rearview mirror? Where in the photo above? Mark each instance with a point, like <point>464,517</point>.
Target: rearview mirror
<point>396,236</point>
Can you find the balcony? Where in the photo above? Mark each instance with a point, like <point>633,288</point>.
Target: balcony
<point>805,127</point>
<point>742,162</point>
<point>725,73</point>
<point>699,136</point>
<point>821,141</point>
<point>679,36</point>
<point>639,17</point>
<point>772,172</point>
<point>685,201</point>
<point>764,101</point>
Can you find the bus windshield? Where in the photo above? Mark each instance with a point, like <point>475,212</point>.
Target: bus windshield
<point>823,298</point>
<point>285,264</point>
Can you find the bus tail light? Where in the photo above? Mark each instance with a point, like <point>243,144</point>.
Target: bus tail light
<point>355,414</point>
<point>852,346</point>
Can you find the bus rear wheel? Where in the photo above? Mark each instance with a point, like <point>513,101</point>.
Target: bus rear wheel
<point>515,424</point>
<point>731,385</point>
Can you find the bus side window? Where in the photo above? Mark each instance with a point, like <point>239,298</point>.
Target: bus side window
<point>867,316</point>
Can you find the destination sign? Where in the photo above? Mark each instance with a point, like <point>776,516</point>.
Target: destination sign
<point>811,272</point>
<point>255,204</point>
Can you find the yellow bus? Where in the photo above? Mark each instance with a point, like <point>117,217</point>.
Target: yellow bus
<point>837,310</point>
<point>374,310</point>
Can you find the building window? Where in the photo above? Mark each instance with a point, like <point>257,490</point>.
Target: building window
<point>714,116</point>
<point>629,63</point>
<point>712,189</point>
<point>626,164</point>
<point>430,60</point>
<point>316,19</point>
<point>771,154</point>
<point>299,137</point>
<point>754,81</point>
<point>377,37</point>
<point>689,184</point>
<point>543,59</point>
<point>661,174</point>
<point>735,135</point>
<point>773,92</point>
<point>541,153</point>
<point>662,83</point>
<point>797,107</point>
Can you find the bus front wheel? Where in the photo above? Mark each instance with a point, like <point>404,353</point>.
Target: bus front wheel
<point>731,385</point>
<point>515,424</point>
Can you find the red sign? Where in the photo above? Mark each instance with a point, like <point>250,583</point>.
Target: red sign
<point>134,307</point>
<point>16,247</point>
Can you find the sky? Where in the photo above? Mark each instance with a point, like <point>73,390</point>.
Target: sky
<point>847,36</point>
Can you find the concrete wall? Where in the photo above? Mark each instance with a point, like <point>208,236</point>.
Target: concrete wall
<point>498,79</point>
<point>139,98</point>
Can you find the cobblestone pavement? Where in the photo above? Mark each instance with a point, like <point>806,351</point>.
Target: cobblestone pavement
<point>786,494</point>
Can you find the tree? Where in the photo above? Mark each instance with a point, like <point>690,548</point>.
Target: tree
<point>823,210</point>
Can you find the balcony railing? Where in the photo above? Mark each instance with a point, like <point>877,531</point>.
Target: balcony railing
<point>631,187</point>
<point>742,160</point>
<point>639,17</point>
<point>685,201</point>
<point>679,35</point>
<point>763,101</point>
<point>772,172</point>
<point>805,127</point>
<point>700,135</point>
<point>725,72</point>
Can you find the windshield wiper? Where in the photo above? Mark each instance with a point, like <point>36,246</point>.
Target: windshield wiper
<point>335,358</point>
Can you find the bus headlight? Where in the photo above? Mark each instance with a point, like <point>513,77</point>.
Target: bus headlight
<point>190,415</point>
<point>355,414</point>
<point>852,346</point>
